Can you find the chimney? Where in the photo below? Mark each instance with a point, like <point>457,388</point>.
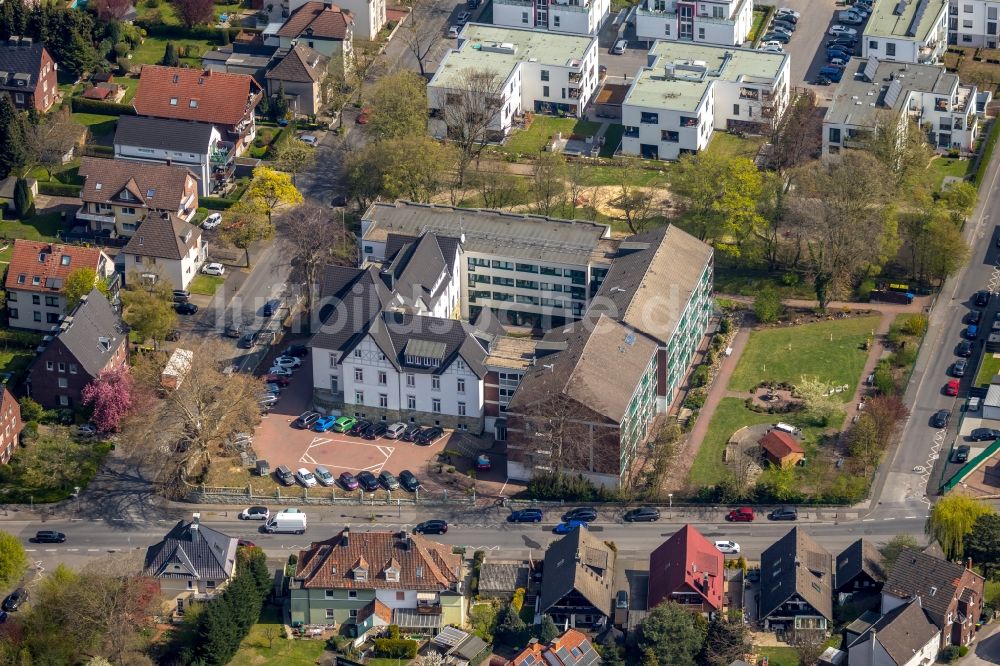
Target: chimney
<point>404,540</point>
<point>345,537</point>
<point>968,563</point>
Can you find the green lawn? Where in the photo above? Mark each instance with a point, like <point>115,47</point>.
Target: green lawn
<point>206,284</point>
<point>989,368</point>
<point>150,52</point>
<point>941,167</point>
<point>254,651</point>
<point>39,227</point>
<point>609,175</point>
<point>829,350</point>
<point>15,360</point>
<point>612,139</point>
<point>533,140</point>
<point>97,124</point>
<point>131,84</point>
<point>731,145</point>
<point>779,656</point>
<point>166,14</point>
<point>759,21</point>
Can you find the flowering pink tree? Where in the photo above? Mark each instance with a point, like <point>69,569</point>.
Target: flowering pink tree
<point>111,395</point>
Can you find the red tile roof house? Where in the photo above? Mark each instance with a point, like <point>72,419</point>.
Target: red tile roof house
<point>28,74</point>
<point>226,101</point>
<point>35,279</point>
<point>10,425</point>
<point>781,449</point>
<point>687,568</point>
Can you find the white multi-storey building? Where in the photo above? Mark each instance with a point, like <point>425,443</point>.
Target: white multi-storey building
<point>973,23</point>
<point>907,31</point>
<point>725,22</point>
<point>872,91</point>
<point>690,90</point>
<point>534,71</point>
<point>580,17</point>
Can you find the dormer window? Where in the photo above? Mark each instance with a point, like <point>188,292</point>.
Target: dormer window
<point>392,575</point>
<point>360,574</point>
<point>20,278</point>
<point>105,343</point>
<point>150,192</point>
<point>36,280</point>
<point>125,195</point>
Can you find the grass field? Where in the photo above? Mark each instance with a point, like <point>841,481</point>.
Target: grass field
<point>731,145</point>
<point>39,227</point>
<point>206,284</point>
<point>612,139</point>
<point>779,656</point>
<point>532,140</point>
<point>829,350</point>
<point>150,52</point>
<point>255,652</point>
<point>15,360</point>
<point>941,167</point>
<point>990,367</point>
<point>99,125</point>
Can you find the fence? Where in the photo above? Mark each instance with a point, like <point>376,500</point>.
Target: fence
<point>202,494</point>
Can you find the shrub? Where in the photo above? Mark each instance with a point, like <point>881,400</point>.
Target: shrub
<point>963,650</point>
<point>518,601</point>
<point>865,289</point>
<point>58,189</point>
<point>725,325</point>
<point>904,356</point>
<point>949,654</point>
<point>395,648</point>
<point>767,306</point>
<point>554,486</point>
<point>83,105</point>
<point>790,279</point>
<point>700,376</point>
<point>394,631</point>
<point>293,559</point>
<point>215,203</point>
<point>915,325</point>
<point>695,398</point>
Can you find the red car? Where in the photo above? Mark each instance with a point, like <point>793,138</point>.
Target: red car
<point>744,514</point>
<point>362,118</point>
<point>951,388</point>
<point>277,379</point>
<point>483,463</point>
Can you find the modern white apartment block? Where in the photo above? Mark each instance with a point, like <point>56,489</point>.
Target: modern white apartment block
<point>541,72</point>
<point>690,90</point>
<point>872,91</point>
<point>907,31</point>
<point>725,22</point>
<point>973,23</point>
<point>579,17</point>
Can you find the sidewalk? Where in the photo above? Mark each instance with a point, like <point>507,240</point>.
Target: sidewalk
<point>718,391</point>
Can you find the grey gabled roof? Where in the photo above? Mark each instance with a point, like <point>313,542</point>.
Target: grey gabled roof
<point>860,556</point>
<point>415,265</point>
<point>163,134</point>
<point>164,236</point>
<point>192,550</point>
<point>581,562</point>
<point>503,575</point>
<point>21,59</point>
<point>935,581</point>
<point>92,332</point>
<point>901,632</point>
<point>300,65</point>
<point>796,564</point>
<point>353,298</point>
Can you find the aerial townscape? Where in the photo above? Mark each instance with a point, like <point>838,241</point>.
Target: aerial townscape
<point>499,332</point>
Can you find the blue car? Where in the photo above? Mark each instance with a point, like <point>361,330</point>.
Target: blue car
<point>834,74</point>
<point>569,526</point>
<point>526,516</point>
<point>837,53</point>
<point>972,332</point>
<point>324,423</point>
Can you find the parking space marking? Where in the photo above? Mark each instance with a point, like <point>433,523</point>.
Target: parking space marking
<point>386,451</point>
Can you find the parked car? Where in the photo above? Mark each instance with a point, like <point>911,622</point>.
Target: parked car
<point>463,18</point>
<point>367,481</point>
<point>647,514</point>
<point>374,431</point>
<point>271,387</point>
<point>246,342</point>
<point>264,337</point>
<point>408,480</point>
<point>951,388</point>
<point>181,295</point>
<point>284,475</point>
<point>850,18</point>
<point>941,418</point>
<point>298,351</point>
<point>388,481</point>
<point>744,514</point>
<point>348,481</point>
<point>483,463</point>
<point>185,308</point>
<point>844,40</point>
<point>619,47</point>
<point>964,349</point>
<point>212,221</point>
<point>773,36</point>
<point>832,73</point>
<point>787,16</point>
<point>728,547</point>
<point>411,432</point>
<point>974,316</point>
<point>971,332</point>
<point>234,330</point>
<point>254,513</point>
<point>453,31</point>
<point>309,139</point>
<point>788,10</point>
<point>982,298</point>
<point>780,29</point>
<point>305,477</point>
<point>49,536</point>
<point>984,434</point>
<point>286,362</point>
<point>323,476</point>
<point>15,600</point>
<point>280,380</point>
<point>429,436</point>
<point>772,49</point>
<point>961,454</point>
<point>958,367</point>
<point>784,513</point>
<point>525,516</point>
<point>306,420</point>
<point>270,308</point>
<point>778,23</point>
<point>358,427</point>
<point>324,423</point>
<point>213,268</point>
<point>585,513</point>
<point>86,430</point>
<point>569,526</point>
<point>431,527</point>
<point>395,431</point>
<point>282,372</point>
<point>839,29</point>
<point>344,424</point>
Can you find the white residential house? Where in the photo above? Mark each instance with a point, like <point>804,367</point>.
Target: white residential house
<point>323,27</point>
<point>579,17</point>
<point>973,23</point>
<point>872,91</point>
<point>727,23</point>
<point>369,15</point>
<point>164,246</point>
<point>542,72</point>
<point>907,31</point>
<point>197,146</point>
<point>690,90</point>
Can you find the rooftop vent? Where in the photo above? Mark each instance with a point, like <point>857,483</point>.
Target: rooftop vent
<point>499,47</point>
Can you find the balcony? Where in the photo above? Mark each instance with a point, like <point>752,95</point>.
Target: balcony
<point>102,219</point>
<point>514,3</point>
<point>223,153</point>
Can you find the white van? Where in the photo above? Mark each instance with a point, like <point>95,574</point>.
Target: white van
<point>785,427</point>
<point>289,521</point>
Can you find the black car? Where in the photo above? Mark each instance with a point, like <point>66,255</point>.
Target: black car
<point>270,307</point>
<point>585,514</point>
<point>431,527</point>
<point>408,480</point>
<point>964,349</point>
<point>15,599</point>
<point>388,481</point>
<point>359,427</point>
<point>246,342</point>
<point>374,431</point>
<point>298,351</point>
<point>974,316</point>
<point>647,514</point>
<point>305,420</point>
<point>525,516</point>
<point>984,434</point>
<point>411,433</point>
<point>185,308</point>
<point>233,330</point>
<point>181,296</point>
<point>961,454</point>
<point>941,418</point>
<point>367,481</point>
<point>48,536</point>
<point>982,298</point>
<point>428,436</point>
<point>784,513</point>
<point>285,476</point>
<point>338,201</point>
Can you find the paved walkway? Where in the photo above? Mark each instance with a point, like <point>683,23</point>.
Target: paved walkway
<point>718,391</point>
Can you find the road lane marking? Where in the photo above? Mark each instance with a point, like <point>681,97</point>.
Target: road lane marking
<point>93,550</point>
<point>72,550</point>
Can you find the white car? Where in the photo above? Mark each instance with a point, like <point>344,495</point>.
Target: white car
<point>839,30</point>
<point>309,139</point>
<point>788,10</point>
<point>86,430</point>
<point>772,47</point>
<point>287,362</point>
<point>279,371</point>
<point>212,221</point>
<point>728,547</point>
<point>255,513</point>
<point>305,477</point>
<point>213,269</point>
<point>453,32</point>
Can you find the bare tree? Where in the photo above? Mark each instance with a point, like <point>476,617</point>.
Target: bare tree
<point>336,92</point>
<point>549,185</point>
<point>421,33</point>
<point>498,187</point>
<point>469,110</point>
<point>50,140</point>
<point>270,632</point>
<point>797,136</point>
<point>316,241</point>
<point>636,203</point>
<point>365,64</point>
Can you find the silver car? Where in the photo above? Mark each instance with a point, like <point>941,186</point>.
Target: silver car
<point>324,477</point>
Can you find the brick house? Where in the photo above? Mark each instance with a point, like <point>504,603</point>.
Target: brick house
<point>688,569</point>
<point>10,425</point>
<point>781,449</point>
<point>88,341</point>
<point>28,74</point>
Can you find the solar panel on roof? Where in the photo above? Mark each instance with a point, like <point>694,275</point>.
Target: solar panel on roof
<point>870,68</point>
<point>551,658</point>
<point>892,94</point>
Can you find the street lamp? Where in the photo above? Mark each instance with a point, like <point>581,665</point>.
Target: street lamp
<point>670,498</point>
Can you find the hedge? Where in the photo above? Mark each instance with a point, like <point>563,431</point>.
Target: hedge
<point>396,648</point>
<point>94,150</point>
<point>197,32</point>
<point>84,105</point>
<point>215,203</point>
<point>59,189</point>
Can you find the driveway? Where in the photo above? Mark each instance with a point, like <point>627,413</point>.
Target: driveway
<point>986,650</point>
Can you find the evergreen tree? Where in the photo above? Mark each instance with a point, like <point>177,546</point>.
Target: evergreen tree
<point>510,627</point>
<point>170,58</point>
<point>12,138</point>
<point>546,630</point>
<point>217,635</point>
<point>22,199</point>
<point>278,107</point>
